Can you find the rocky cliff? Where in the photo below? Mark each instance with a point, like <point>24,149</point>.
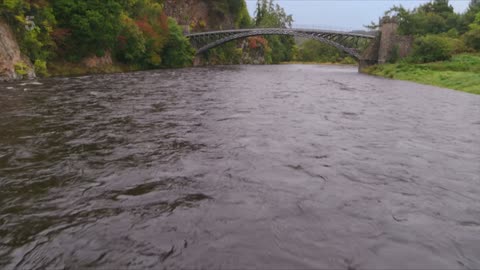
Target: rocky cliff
<point>197,15</point>
<point>13,65</point>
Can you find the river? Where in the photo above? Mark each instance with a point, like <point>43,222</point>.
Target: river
<point>241,167</point>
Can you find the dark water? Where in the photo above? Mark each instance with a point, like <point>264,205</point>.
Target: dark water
<point>270,167</point>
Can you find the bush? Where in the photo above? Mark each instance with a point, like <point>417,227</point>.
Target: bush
<point>432,48</point>
<point>41,68</point>
<point>472,39</point>
<point>21,69</point>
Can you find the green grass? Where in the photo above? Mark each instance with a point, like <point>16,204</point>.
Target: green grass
<point>461,73</point>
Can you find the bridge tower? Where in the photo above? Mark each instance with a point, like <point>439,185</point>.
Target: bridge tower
<point>387,45</point>
<point>388,33</point>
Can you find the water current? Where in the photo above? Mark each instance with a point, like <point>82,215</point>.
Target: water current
<point>242,167</point>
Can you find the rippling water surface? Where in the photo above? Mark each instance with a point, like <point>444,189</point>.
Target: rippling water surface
<point>243,167</point>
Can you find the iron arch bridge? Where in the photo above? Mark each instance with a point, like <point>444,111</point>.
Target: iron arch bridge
<point>344,41</point>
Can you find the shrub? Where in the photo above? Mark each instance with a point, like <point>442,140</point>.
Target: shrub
<point>472,39</point>
<point>432,48</point>
<point>21,69</point>
<point>41,68</point>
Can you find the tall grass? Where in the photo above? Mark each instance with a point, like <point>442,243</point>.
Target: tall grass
<point>461,73</point>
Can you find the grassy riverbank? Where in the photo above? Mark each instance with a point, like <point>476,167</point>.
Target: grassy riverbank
<point>67,69</point>
<point>461,73</point>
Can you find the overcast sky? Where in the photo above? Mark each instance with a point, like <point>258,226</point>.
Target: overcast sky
<point>344,14</point>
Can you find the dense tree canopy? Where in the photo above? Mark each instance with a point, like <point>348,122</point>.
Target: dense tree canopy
<point>93,24</point>
<point>440,32</point>
<point>135,32</point>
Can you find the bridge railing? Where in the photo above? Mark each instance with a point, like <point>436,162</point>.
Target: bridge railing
<point>324,27</point>
<point>294,26</point>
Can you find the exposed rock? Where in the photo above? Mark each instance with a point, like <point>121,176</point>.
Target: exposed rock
<point>96,61</point>
<point>390,40</point>
<point>10,56</point>
<point>198,15</point>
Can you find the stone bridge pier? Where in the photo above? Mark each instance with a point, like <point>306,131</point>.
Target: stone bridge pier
<point>387,46</point>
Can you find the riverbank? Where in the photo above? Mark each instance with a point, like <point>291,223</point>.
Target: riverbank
<point>67,69</point>
<point>319,63</point>
<point>460,73</point>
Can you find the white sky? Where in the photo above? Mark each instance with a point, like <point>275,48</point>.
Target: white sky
<point>344,14</point>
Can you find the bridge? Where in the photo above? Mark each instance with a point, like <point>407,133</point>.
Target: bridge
<point>347,42</point>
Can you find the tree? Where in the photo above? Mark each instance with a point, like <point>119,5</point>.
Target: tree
<point>94,24</point>
<point>430,18</point>
<point>271,15</point>
<point>316,51</point>
<point>472,37</point>
<point>177,52</point>
<point>131,45</point>
<point>473,9</point>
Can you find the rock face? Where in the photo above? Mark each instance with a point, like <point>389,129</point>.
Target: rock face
<point>391,41</point>
<point>203,15</point>
<point>10,56</point>
<point>96,61</point>
<point>187,12</point>
<point>198,15</point>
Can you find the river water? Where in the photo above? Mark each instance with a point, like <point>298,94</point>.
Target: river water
<point>269,167</point>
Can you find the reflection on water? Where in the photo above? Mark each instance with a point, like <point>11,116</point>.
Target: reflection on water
<point>238,167</point>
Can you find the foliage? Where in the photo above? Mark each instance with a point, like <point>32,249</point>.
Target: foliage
<point>460,73</point>
<point>472,37</point>
<point>21,69</point>
<point>268,14</point>
<point>242,18</point>
<point>41,68</point>
<point>131,43</point>
<point>438,18</point>
<point>177,52</point>
<point>432,48</point>
<point>136,32</point>
<point>470,16</point>
<point>33,35</point>
<point>219,10</point>
<point>394,55</point>
<point>316,51</point>
<point>94,25</point>
<point>431,18</point>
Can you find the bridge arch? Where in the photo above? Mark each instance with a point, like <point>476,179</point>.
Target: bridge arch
<point>344,41</point>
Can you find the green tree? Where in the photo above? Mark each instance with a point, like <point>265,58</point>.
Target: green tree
<point>177,52</point>
<point>271,15</point>
<point>94,25</point>
<point>131,45</point>
<point>472,37</point>
<point>430,18</point>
